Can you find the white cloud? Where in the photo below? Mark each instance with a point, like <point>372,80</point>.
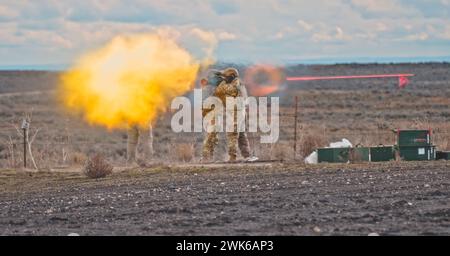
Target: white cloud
<point>285,32</point>
<point>227,36</point>
<point>322,37</point>
<point>446,34</point>
<point>7,13</point>
<point>381,27</point>
<point>339,33</point>
<point>383,6</point>
<point>332,36</point>
<point>305,25</point>
<point>274,29</point>
<point>417,37</point>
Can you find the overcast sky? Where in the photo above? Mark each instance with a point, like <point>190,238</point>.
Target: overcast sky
<point>54,32</point>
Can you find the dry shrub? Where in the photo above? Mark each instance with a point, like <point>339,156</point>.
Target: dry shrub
<point>97,167</point>
<point>264,151</point>
<point>78,158</point>
<point>281,151</point>
<point>309,143</point>
<point>184,152</point>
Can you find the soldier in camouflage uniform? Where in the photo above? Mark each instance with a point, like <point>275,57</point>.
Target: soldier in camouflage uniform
<point>211,140</point>
<point>230,87</point>
<point>139,145</point>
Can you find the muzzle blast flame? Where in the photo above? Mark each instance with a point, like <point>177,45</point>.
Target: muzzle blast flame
<point>129,81</point>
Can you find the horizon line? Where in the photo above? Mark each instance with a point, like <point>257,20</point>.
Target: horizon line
<point>310,61</point>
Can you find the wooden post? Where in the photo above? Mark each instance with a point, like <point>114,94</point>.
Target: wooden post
<point>295,127</point>
<point>24,148</point>
<point>25,126</point>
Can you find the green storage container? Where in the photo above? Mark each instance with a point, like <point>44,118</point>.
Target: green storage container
<point>325,155</point>
<point>343,155</point>
<point>382,154</point>
<point>424,153</point>
<point>409,138</point>
<point>333,155</point>
<point>359,155</point>
<point>445,155</point>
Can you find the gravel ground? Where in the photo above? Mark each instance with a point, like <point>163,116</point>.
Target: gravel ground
<point>272,199</point>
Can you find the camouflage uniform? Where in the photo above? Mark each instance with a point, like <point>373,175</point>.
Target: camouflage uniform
<point>243,144</point>
<point>139,151</point>
<point>223,91</point>
<point>232,89</point>
<point>211,140</point>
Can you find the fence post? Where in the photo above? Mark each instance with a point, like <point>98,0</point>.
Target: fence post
<point>25,125</point>
<point>295,127</point>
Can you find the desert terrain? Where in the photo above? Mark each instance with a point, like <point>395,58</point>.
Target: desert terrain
<point>269,199</point>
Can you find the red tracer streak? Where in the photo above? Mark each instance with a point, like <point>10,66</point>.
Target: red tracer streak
<point>312,78</point>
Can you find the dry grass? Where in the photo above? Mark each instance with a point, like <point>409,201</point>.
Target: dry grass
<point>78,158</point>
<point>363,112</point>
<point>309,142</point>
<point>184,152</point>
<point>281,151</point>
<point>97,167</point>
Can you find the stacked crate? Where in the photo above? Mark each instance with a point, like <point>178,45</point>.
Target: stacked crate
<point>415,145</point>
<point>442,155</point>
<point>355,155</point>
<point>343,155</point>
<point>412,145</point>
<point>382,154</point>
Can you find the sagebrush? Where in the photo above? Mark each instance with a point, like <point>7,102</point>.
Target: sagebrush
<point>97,167</point>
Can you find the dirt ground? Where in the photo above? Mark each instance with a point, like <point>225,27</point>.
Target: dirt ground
<point>395,198</point>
